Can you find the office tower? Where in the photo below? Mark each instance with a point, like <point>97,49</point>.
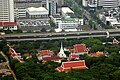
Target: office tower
<point>7,15</point>
<point>52,6</point>
<point>6,11</point>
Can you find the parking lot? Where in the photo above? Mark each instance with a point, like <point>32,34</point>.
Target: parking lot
<point>33,25</point>
<point>33,22</point>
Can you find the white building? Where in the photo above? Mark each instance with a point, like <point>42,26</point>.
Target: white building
<point>85,3</point>
<point>20,13</point>
<point>40,12</point>
<point>68,22</point>
<point>112,20</point>
<point>108,3</point>
<point>92,3</point>
<point>7,15</point>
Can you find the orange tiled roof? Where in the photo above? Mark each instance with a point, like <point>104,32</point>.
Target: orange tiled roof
<point>79,48</point>
<point>99,53</point>
<point>45,52</point>
<point>66,66</point>
<point>93,55</point>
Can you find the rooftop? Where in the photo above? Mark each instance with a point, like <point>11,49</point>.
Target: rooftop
<point>45,52</point>
<point>52,58</point>
<point>39,9</point>
<point>79,48</point>
<point>26,55</point>
<point>67,10</point>
<point>72,15</point>
<point>97,54</point>
<point>67,66</point>
<point>8,23</point>
<point>56,16</point>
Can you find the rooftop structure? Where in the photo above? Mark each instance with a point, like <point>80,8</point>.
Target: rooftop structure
<point>8,24</point>
<point>26,54</point>
<point>52,58</point>
<point>73,57</point>
<point>79,49</point>
<point>66,10</point>
<point>67,66</point>
<point>37,11</point>
<point>44,53</point>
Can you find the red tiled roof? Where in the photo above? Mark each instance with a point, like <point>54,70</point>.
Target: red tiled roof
<point>66,66</point>
<point>26,55</point>
<point>73,57</point>
<point>8,23</point>
<point>52,58</point>
<point>45,52</point>
<point>73,64</point>
<point>79,48</point>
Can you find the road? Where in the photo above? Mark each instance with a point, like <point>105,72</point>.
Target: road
<point>60,36</point>
<point>85,13</point>
<point>8,65</point>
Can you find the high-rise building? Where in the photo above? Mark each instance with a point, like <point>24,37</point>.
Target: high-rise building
<point>52,6</point>
<point>6,11</point>
<point>7,15</point>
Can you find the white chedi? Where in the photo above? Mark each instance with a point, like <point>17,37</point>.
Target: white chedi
<point>61,53</point>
